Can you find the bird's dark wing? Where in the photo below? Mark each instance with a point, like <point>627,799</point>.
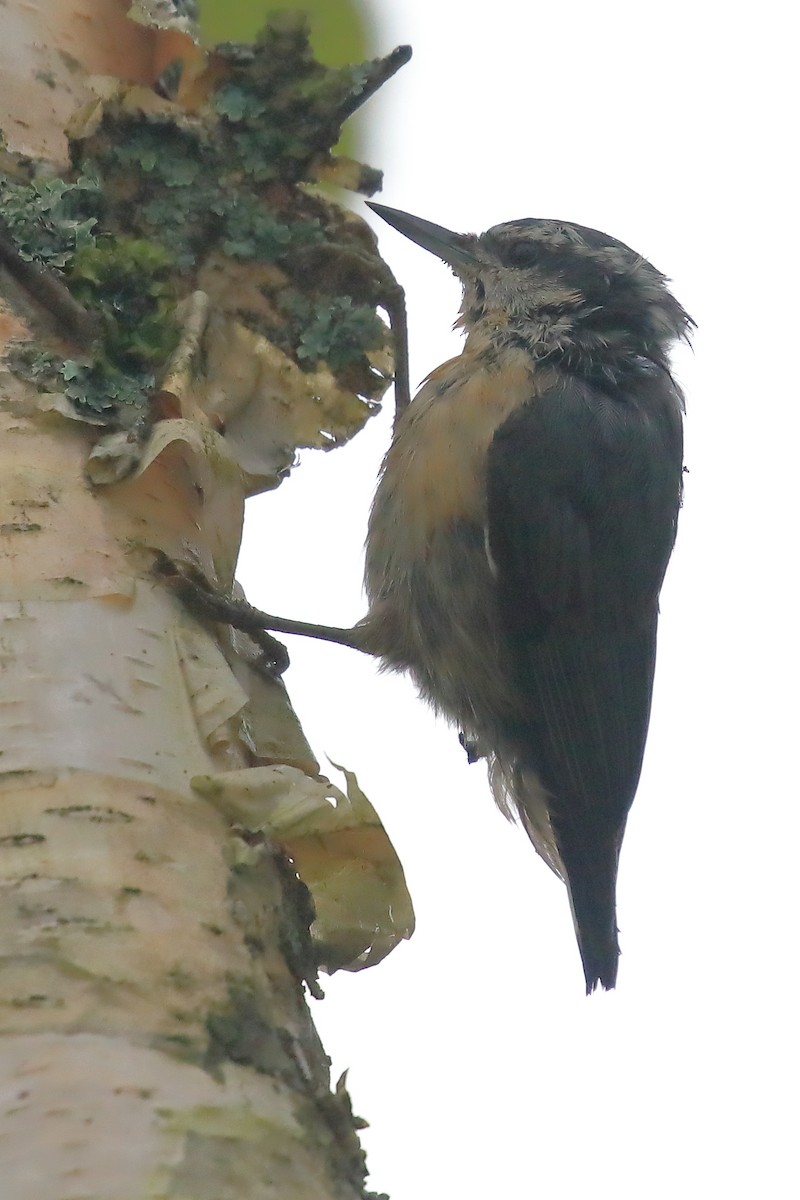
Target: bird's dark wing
<point>583,492</point>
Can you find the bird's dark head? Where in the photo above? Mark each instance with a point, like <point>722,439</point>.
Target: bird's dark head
<point>562,286</point>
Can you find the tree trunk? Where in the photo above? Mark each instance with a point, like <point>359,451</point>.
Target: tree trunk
<point>180,313</point>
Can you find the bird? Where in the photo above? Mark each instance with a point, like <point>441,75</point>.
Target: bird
<point>524,517</point>
<point>523,521</point>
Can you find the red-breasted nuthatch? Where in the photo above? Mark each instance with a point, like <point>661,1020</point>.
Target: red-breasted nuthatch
<point>522,525</point>
<point>523,522</point>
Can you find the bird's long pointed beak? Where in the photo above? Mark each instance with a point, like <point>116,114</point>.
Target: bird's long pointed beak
<point>452,248</point>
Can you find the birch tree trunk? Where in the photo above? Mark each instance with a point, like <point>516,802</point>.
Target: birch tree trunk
<point>180,312</point>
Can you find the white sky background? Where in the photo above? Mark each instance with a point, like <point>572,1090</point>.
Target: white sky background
<point>482,1067</point>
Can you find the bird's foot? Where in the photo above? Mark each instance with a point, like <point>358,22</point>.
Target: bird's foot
<point>207,602</point>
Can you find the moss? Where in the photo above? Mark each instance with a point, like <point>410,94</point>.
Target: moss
<point>157,190</point>
<point>230,179</point>
<point>127,280</point>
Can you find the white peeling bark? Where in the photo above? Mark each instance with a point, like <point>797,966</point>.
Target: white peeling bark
<point>155,1040</point>
<point>154,1035</point>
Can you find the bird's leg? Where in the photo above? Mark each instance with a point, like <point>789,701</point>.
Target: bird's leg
<point>204,600</point>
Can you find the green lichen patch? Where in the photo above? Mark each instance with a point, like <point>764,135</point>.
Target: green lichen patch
<point>228,178</point>
<point>50,219</point>
<point>208,183</point>
<point>337,332</point>
<point>100,391</point>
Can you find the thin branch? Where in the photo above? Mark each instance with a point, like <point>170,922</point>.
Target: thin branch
<point>46,287</point>
<point>378,71</point>
<point>395,305</point>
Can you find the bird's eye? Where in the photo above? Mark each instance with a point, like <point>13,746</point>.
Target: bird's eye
<point>524,253</point>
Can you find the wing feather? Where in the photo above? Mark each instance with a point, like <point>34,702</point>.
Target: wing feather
<point>583,494</point>
<point>583,491</point>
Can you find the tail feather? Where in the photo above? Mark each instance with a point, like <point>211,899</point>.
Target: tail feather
<point>585,857</point>
<point>592,886</point>
<point>589,711</point>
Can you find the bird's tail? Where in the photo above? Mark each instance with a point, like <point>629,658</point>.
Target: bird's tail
<point>587,861</point>
<point>591,880</point>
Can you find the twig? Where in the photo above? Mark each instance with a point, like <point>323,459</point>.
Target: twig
<point>395,305</point>
<point>46,287</point>
<point>377,73</point>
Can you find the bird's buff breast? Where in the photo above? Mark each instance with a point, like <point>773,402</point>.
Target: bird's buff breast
<point>435,471</point>
<point>428,573</point>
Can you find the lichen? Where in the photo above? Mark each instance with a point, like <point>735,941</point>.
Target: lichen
<point>50,219</point>
<point>202,181</point>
